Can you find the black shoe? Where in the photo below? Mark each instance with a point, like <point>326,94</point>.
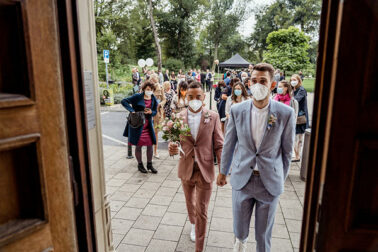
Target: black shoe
<point>141,168</point>
<point>151,168</point>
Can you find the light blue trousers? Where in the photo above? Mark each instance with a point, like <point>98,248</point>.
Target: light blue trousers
<point>243,201</point>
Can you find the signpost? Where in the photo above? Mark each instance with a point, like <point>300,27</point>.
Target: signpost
<point>106,60</point>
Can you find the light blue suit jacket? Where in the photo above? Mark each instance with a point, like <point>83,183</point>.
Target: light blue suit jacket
<point>274,154</point>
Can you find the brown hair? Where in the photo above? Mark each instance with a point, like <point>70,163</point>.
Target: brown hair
<point>221,83</point>
<point>244,91</point>
<point>190,81</point>
<point>148,84</point>
<point>288,86</point>
<point>299,79</point>
<point>181,85</point>
<point>233,81</point>
<point>265,67</point>
<point>195,85</point>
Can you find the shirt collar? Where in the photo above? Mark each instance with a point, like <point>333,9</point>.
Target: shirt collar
<point>262,109</point>
<point>194,114</point>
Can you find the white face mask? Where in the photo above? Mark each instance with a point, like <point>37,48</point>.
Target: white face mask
<point>259,91</point>
<point>294,83</point>
<point>195,105</point>
<point>149,93</point>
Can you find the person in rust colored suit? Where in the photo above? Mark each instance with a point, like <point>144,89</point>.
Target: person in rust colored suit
<point>196,166</point>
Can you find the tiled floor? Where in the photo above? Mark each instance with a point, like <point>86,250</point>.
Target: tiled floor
<point>149,213</point>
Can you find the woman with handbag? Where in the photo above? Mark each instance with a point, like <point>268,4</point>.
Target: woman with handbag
<point>300,94</point>
<point>143,134</point>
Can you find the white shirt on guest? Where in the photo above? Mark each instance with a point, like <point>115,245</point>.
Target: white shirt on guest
<point>194,120</point>
<point>259,122</point>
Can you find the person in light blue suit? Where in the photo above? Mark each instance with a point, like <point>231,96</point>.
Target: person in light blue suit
<point>257,148</point>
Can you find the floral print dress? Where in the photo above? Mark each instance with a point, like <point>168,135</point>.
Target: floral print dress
<point>167,107</point>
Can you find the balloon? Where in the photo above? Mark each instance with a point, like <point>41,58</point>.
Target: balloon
<point>149,62</point>
<point>141,62</point>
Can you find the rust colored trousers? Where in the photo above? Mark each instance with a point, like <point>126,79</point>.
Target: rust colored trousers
<point>197,194</point>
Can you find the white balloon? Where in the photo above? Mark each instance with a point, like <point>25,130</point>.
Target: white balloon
<point>141,62</point>
<point>149,62</point>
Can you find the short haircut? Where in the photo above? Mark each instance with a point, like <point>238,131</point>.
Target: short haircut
<point>195,84</point>
<point>190,81</point>
<point>265,67</point>
<point>148,84</point>
<point>228,74</point>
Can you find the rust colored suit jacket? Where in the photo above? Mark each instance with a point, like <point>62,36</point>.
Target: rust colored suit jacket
<point>209,138</point>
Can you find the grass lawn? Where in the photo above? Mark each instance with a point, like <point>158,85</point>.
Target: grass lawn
<point>309,85</point>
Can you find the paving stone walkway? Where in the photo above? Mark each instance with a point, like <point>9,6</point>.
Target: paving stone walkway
<point>149,212</point>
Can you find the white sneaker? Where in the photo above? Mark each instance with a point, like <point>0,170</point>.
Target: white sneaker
<point>240,246</point>
<point>193,233</point>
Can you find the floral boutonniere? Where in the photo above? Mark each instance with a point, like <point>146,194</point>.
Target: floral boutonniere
<point>272,120</point>
<point>207,118</point>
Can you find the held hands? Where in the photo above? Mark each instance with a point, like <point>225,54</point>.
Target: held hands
<point>173,149</point>
<point>221,180</point>
<point>147,111</point>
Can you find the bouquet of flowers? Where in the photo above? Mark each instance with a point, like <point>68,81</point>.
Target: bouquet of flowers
<point>174,129</point>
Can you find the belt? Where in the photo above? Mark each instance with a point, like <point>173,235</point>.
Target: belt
<point>256,173</point>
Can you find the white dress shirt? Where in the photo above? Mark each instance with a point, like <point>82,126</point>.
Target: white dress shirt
<point>194,120</point>
<point>259,123</point>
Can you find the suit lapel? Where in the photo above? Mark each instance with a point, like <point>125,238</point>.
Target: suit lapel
<point>248,121</point>
<point>272,111</point>
<point>186,122</point>
<point>204,111</point>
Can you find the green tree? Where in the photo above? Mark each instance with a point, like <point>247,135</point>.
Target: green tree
<point>224,18</point>
<point>280,15</point>
<point>175,23</point>
<point>287,49</point>
<point>268,19</point>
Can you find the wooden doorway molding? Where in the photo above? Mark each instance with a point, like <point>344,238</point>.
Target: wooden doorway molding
<point>341,208</point>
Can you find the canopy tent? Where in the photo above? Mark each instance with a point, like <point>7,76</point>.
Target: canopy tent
<point>235,61</point>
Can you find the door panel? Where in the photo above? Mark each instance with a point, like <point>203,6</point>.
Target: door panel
<point>36,210</point>
<point>345,142</point>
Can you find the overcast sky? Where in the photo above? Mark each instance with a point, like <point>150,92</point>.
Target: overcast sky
<point>247,26</point>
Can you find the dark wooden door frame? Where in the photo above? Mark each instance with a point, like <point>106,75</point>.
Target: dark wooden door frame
<point>77,133</point>
<point>324,90</point>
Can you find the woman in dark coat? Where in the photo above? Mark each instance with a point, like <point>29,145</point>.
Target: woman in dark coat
<point>300,94</point>
<point>145,134</point>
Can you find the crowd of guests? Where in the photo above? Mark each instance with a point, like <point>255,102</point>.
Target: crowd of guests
<point>170,92</point>
<point>247,101</point>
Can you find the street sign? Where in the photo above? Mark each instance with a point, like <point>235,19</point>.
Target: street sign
<point>106,56</point>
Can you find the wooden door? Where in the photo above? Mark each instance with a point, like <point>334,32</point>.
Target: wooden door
<point>341,206</point>
<point>36,205</point>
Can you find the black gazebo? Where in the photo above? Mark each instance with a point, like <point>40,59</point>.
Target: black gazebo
<point>235,61</point>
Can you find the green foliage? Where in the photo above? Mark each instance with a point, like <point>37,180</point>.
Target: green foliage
<point>173,64</point>
<point>287,49</point>
<point>284,13</point>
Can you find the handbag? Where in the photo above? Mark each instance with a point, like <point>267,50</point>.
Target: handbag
<point>137,119</point>
<point>301,119</point>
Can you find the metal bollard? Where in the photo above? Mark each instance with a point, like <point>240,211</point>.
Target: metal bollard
<point>305,154</point>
